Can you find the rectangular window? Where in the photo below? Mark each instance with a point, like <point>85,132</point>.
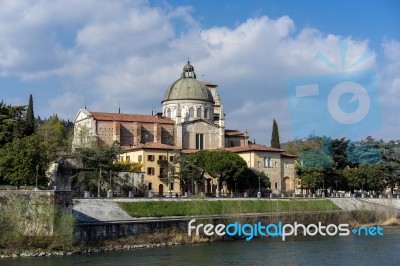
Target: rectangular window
<point>276,164</point>
<point>276,185</point>
<point>172,186</point>
<point>162,157</point>
<point>150,170</point>
<point>150,186</point>
<point>140,158</point>
<point>171,158</point>
<point>199,141</point>
<point>150,158</point>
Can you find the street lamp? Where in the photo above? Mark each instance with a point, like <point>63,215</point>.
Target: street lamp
<point>110,193</point>
<point>37,174</point>
<point>362,189</point>
<point>259,181</point>
<point>336,188</point>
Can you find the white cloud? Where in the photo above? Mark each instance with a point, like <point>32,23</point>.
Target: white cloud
<point>129,52</point>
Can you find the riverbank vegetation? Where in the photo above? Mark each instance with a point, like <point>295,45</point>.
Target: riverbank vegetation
<point>219,207</point>
<point>34,223</point>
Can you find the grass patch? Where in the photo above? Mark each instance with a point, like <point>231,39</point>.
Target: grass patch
<point>215,207</point>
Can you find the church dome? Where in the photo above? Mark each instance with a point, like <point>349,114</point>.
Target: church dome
<point>188,87</point>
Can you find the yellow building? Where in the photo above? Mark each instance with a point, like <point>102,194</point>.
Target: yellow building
<point>157,160</point>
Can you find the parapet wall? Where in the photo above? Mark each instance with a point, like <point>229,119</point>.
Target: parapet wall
<point>61,199</point>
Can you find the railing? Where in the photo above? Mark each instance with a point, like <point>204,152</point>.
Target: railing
<point>162,176</point>
<point>162,162</point>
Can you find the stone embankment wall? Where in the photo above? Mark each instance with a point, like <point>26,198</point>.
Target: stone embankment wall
<point>103,219</point>
<point>35,218</point>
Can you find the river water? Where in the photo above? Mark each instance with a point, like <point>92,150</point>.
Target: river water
<point>349,250</point>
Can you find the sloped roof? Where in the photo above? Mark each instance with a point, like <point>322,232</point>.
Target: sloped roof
<point>289,155</point>
<point>101,116</point>
<point>253,147</point>
<point>149,145</point>
<point>233,132</point>
<point>197,120</point>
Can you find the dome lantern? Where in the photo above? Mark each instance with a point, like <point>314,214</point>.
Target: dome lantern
<point>188,71</point>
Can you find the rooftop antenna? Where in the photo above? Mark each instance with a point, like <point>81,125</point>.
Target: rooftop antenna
<point>85,103</point>
<point>119,107</point>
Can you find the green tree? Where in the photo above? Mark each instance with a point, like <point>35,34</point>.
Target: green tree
<point>275,143</point>
<point>298,146</point>
<point>311,178</point>
<point>315,166</point>
<point>363,153</point>
<point>19,159</point>
<point>187,172</point>
<point>365,177</point>
<point>11,123</point>
<point>30,118</point>
<point>339,153</point>
<point>222,165</point>
<point>100,165</point>
<point>54,137</point>
<point>391,165</point>
<point>252,179</point>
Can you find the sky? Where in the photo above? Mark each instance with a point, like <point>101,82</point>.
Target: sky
<point>106,54</point>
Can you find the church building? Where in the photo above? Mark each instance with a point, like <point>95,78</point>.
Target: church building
<point>192,119</point>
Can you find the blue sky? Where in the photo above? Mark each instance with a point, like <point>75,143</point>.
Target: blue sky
<point>127,53</point>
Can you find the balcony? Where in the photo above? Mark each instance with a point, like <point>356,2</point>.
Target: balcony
<point>163,177</point>
<point>162,163</point>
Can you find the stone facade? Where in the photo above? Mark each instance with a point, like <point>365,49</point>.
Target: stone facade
<point>275,163</point>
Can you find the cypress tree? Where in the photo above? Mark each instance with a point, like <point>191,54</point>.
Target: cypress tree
<point>275,136</point>
<point>30,118</point>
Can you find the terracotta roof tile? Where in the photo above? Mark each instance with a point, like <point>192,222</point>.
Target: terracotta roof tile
<point>130,118</point>
<point>149,145</point>
<point>188,151</point>
<point>253,147</point>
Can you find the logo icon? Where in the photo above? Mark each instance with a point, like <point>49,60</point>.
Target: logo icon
<point>344,104</point>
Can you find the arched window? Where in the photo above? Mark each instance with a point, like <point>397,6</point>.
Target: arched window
<point>205,113</point>
<point>169,113</point>
<point>191,112</point>
<point>267,162</point>
<point>198,113</point>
